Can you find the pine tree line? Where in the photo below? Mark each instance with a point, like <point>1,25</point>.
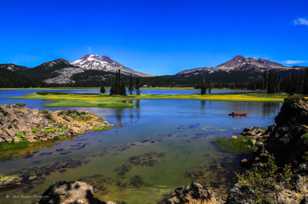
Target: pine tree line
<point>118,85</point>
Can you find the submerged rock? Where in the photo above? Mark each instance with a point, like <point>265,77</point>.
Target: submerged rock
<point>146,160</point>
<point>192,194</point>
<point>76,192</point>
<point>21,124</point>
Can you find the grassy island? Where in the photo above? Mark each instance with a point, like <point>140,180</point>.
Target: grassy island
<point>106,101</point>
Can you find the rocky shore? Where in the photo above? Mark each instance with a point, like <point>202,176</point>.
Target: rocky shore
<point>277,171</point>
<point>21,124</point>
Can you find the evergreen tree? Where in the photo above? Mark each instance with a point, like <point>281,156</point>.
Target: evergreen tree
<point>273,82</point>
<point>131,84</point>
<point>209,88</point>
<point>102,90</point>
<point>118,87</point>
<point>138,86</point>
<point>305,88</point>
<point>202,85</point>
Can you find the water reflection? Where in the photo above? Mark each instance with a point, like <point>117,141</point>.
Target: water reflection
<point>270,108</point>
<point>202,105</point>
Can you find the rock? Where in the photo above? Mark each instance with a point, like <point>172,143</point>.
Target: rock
<point>287,141</point>
<point>241,195</point>
<point>255,133</point>
<point>10,181</point>
<point>289,197</point>
<point>244,162</point>
<point>192,194</point>
<point>136,181</point>
<point>304,200</point>
<point>301,184</point>
<point>76,192</point>
<point>19,123</point>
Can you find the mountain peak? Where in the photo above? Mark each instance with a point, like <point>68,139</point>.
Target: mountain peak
<point>55,64</point>
<point>241,63</point>
<point>103,63</point>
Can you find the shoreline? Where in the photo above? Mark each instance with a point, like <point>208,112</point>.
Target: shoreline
<point>24,128</point>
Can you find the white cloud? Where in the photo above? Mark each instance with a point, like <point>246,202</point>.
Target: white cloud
<point>294,62</point>
<point>301,22</point>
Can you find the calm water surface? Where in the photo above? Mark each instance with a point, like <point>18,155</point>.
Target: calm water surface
<point>152,148</point>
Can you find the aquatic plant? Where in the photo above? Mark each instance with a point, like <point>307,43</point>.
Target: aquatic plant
<point>237,145</point>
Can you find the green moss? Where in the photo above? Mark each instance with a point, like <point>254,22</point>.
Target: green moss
<point>239,145</point>
<point>305,137</point>
<point>5,146</point>
<point>20,135</point>
<point>102,127</point>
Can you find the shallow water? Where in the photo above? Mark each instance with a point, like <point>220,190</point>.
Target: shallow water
<point>166,143</point>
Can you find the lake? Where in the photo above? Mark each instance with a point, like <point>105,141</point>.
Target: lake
<point>152,148</point>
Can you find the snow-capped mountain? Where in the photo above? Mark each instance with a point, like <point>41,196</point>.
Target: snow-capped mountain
<point>12,67</point>
<point>236,64</point>
<point>64,72</point>
<point>240,63</point>
<point>103,63</point>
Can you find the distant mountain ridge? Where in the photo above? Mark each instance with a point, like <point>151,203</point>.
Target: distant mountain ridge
<point>12,67</point>
<point>237,64</point>
<point>241,63</point>
<point>95,70</point>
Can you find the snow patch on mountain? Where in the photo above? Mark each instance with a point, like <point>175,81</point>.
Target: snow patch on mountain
<point>103,63</point>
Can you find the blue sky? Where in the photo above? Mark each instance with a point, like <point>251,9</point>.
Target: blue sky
<point>158,37</point>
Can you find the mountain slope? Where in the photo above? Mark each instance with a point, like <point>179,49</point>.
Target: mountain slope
<point>106,64</point>
<point>12,67</point>
<point>240,63</point>
<point>236,64</point>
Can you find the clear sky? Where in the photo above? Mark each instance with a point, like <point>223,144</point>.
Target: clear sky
<point>154,36</point>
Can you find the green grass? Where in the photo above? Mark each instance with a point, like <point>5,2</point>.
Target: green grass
<point>106,101</point>
<point>218,97</point>
<point>82,100</point>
